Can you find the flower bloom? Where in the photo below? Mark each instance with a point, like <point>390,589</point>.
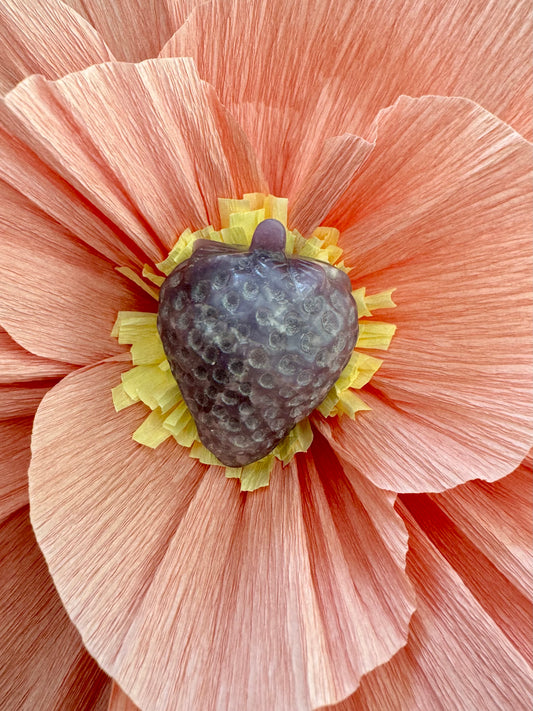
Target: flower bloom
<point>385,568</point>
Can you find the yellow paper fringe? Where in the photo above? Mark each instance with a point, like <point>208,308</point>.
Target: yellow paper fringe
<point>150,381</point>
<point>151,433</point>
<point>375,334</point>
<point>136,279</point>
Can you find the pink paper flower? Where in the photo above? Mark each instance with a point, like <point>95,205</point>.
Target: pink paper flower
<point>387,567</point>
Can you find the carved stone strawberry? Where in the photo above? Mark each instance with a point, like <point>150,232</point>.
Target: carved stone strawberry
<point>255,340</point>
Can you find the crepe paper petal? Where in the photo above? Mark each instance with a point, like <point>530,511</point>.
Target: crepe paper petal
<point>400,451</point>
<point>357,547</point>
<point>325,180</point>
<point>496,518</point>
<point>120,483</point>
<point>58,300</point>
<point>442,210</point>
<point>29,41</point>
<point>331,66</point>
<point>15,455</point>
<point>118,701</point>
<point>417,182</point>
<point>283,652</point>
<point>43,664</point>
<point>134,29</point>
<point>456,657</point>
<point>21,168</point>
<point>22,400</point>
<point>224,600</point>
<point>18,365</point>
<point>19,398</point>
<point>510,609</point>
<point>115,129</point>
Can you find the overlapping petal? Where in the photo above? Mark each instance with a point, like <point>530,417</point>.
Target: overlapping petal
<point>15,437</point>
<point>118,701</point>
<point>19,366</point>
<point>24,380</point>
<point>170,131</point>
<point>134,29</point>
<point>457,655</point>
<point>292,609</point>
<point>509,607</point>
<point>149,145</point>
<point>29,34</point>
<point>21,400</point>
<point>441,210</point>
<point>188,592</point>
<point>296,74</point>
<point>333,170</point>
<point>59,300</point>
<point>497,519</point>
<point>45,189</point>
<point>42,659</point>
<point>43,664</point>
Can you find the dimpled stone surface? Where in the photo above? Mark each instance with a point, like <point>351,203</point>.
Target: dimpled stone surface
<point>255,340</point>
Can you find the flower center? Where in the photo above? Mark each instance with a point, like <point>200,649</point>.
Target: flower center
<point>258,328</point>
<point>255,339</point>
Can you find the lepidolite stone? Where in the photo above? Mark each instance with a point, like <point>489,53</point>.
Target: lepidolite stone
<point>255,340</point>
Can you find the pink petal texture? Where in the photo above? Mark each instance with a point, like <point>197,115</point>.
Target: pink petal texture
<point>15,453</point>
<point>24,379</point>
<point>149,145</point>
<point>296,74</point>
<point>43,664</point>
<point>441,210</point>
<point>32,177</point>
<point>177,134</point>
<point>456,658</point>
<point>511,610</point>
<point>497,519</point>
<point>59,300</point>
<point>326,180</point>
<point>118,701</point>
<point>19,366</point>
<point>134,29</point>
<point>22,400</point>
<point>193,595</point>
<point>45,37</point>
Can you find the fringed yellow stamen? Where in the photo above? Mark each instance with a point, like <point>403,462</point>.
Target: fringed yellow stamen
<point>257,474</point>
<point>151,432</point>
<point>150,381</point>
<point>350,403</point>
<point>247,221</point>
<point>276,208</point>
<point>198,451</point>
<point>298,440</point>
<point>227,207</point>
<point>375,334</point>
<point>121,399</point>
<point>181,425</point>
<point>148,273</point>
<point>136,279</point>
<point>374,302</point>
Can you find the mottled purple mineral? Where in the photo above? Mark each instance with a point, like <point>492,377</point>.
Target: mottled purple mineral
<point>255,340</point>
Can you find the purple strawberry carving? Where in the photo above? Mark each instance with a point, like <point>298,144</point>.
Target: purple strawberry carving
<point>255,340</point>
